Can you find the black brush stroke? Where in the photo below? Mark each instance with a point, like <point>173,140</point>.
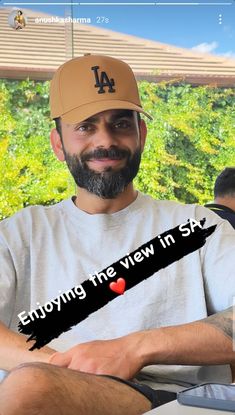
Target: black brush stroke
<point>74,311</point>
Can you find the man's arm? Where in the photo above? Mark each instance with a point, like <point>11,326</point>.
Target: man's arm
<point>203,342</point>
<point>14,350</point>
<point>224,321</point>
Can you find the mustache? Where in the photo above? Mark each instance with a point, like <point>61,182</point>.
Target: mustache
<point>114,153</point>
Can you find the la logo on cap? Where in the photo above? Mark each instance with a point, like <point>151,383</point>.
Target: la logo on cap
<point>103,81</point>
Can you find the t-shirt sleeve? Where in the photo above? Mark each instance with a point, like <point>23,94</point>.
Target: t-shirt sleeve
<point>7,284</point>
<point>218,263</point>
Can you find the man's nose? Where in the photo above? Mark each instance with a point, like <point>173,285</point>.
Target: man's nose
<point>104,137</point>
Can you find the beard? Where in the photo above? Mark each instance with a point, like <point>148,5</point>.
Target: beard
<point>109,183</point>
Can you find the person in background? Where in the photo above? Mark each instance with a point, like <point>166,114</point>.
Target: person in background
<point>224,195</point>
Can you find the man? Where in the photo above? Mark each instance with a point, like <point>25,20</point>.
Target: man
<point>170,330</point>
<point>224,194</point>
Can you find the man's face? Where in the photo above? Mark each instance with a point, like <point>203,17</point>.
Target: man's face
<point>103,152</point>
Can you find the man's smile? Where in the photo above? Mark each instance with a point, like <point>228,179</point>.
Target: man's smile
<point>106,161</point>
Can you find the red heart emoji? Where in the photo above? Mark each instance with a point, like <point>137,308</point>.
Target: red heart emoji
<point>119,286</point>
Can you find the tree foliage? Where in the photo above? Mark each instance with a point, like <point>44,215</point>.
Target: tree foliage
<point>30,173</point>
<point>190,140</point>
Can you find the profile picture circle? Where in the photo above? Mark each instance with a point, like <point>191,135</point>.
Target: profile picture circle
<point>17,20</point>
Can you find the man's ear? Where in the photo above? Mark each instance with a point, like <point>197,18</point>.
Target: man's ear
<point>143,134</point>
<point>56,144</point>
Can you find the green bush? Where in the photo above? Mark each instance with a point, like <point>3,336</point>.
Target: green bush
<point>190,140</point>
<point>30,173</point>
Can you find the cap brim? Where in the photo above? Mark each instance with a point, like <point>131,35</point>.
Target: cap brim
<point>86,111</point>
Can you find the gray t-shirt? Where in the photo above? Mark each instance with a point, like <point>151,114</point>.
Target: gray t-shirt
<point>47,250</point>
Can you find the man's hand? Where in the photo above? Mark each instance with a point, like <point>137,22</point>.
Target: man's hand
<point>118,357</point>
<point>203,342</point>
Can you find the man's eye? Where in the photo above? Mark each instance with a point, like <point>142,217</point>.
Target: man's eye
<point>83,128</point>
<point>123,124</point>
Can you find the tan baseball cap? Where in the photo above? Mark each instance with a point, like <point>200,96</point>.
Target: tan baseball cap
<point>85,86</point>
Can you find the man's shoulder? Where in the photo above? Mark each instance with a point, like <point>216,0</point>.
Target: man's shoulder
<point>31,214</point>
<point>164,203</point>
<point>147,199</point>
<point>178,212</point>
